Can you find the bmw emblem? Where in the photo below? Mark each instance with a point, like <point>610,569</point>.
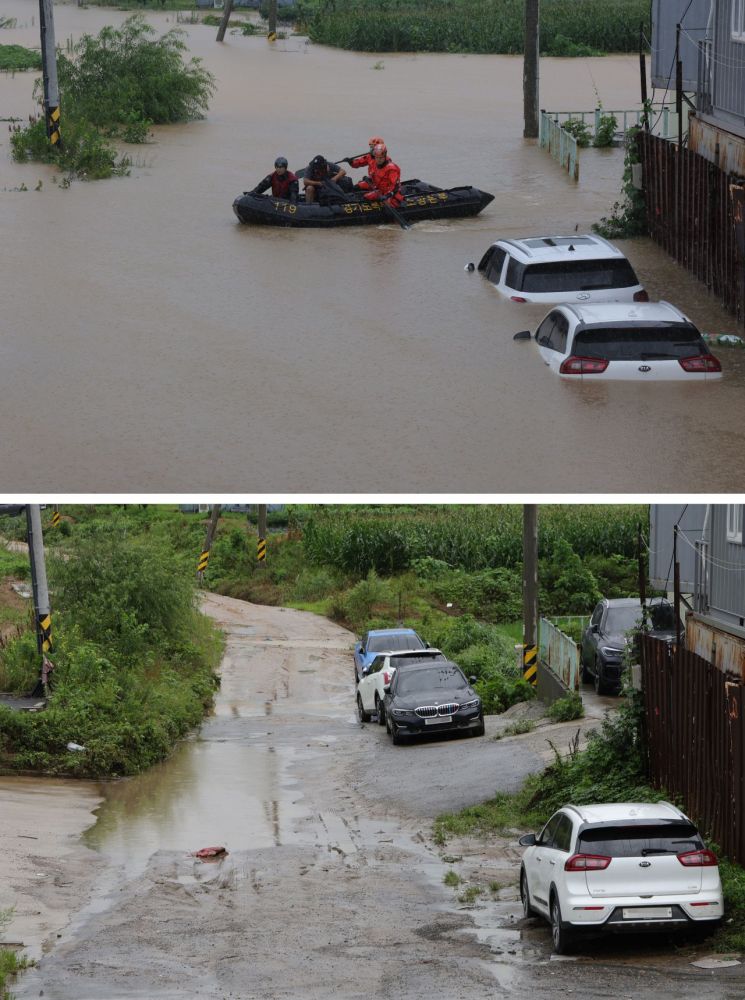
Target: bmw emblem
<point>645,368</point>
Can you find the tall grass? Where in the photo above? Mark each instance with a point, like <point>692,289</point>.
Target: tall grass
<point>468,537</point>
<point>475,25</point>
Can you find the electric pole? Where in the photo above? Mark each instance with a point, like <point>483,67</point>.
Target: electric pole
<point>272,32</point>
<point>530,593</point>
<point>204,556</point>
<point>226,12</point>
<point>531,57</point>
<point>42,609</point>
<point>261,543</point>
<point>49,70</point>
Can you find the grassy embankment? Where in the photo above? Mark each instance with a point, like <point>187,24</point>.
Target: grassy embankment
<point>568,27</point>
<point>134,659</point>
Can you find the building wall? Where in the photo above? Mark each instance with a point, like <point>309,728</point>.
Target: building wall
<point>662,519</point>
<point>727,572</point>
<point>666,14</point>
<point>727,71</point>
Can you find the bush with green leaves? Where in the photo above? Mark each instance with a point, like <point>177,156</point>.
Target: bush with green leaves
<point>567,708</point>
<point>579,129</point>
<point>605,131</point>
<point>16,59</point>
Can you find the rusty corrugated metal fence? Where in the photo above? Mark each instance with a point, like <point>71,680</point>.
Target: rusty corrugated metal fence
<point>694,211</point>
<point>695,743</point>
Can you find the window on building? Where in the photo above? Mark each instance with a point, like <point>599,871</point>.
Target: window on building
<point>734,523</point>
<point>738,20</point>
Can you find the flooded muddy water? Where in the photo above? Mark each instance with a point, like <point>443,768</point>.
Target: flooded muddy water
<point>151,343</point>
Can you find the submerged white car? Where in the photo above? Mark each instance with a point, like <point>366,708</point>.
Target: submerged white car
<point>371,688</point>
<point>550,269</point>
<point>619,867</point>
<point>642,342</point>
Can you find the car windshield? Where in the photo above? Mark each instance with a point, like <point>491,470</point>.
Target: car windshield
<point>386,643</point>
<point>577,275</point>
<point>444,676</point>
<point>623,619</point>
<point>639,343</point>
<point>639,841</point>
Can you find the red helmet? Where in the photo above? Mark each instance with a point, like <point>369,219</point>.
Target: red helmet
<point>375,141</point>
<point>380,149</point>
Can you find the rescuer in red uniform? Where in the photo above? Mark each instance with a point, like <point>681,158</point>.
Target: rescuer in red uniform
<point>385,177</point>
<point>366,160</point>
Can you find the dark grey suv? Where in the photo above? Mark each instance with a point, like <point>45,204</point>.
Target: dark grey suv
<point>605,639</point>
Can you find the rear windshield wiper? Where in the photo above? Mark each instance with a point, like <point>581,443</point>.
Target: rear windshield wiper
<point>651,355</point>
<point>655,850</point>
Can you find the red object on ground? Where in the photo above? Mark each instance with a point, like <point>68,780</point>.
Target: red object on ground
<point>210,852</point>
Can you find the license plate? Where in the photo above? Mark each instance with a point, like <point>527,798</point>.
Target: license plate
<point>438,720</point>
<point>647,913</point>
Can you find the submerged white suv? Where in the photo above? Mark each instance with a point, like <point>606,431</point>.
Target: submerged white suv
<point>619,867</point>
<point>371,687</point>
<point>561,269</point>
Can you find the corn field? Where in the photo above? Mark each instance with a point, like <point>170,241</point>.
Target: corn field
<point>568,27</point>
<point>469,537</point>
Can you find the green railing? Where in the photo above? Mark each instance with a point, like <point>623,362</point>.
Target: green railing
<point>560,144</point>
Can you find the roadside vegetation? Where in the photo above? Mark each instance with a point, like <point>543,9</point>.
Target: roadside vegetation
<point>116,86</point>
<point>612,768</point>
<point>134,660</point>
<point>16,59</point>
<point>568,27</point>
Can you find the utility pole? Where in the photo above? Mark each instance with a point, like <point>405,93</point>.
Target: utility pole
<point>530,593</point>
<point>642,575</point>
<point>531,58</point>
<point>49,70</point>
<point>261,543</point>
<point>643,75</point>
<point>226,12</point>
<point>40,589</point>
<point>676,588</point>
<point>272,32</point>
<point>204,556</point>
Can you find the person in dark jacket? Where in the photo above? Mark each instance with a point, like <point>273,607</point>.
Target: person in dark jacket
<point>319,176</point>
<point>283,182</point>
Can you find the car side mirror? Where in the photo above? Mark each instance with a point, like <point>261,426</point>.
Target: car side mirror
<point>522,335</point>
<point>594,629</point>
<point>527,840</point>
<point>472,680</point>
<point>360,650</point>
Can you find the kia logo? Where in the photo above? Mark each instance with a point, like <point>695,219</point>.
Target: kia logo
<point>645,864</point>
<point>645,368</point>
<point>583,295</point>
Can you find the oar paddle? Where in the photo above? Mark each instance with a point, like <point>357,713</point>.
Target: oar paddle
<point>394,213</point>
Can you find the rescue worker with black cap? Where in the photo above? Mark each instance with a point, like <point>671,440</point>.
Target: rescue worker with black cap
<point>283,182</point>
<point>317,177</point>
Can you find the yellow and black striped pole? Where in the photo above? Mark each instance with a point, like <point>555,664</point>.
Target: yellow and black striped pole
<point>261,550</point>
<point>204,558</point>
<point>55,519</point>
<point>45,632</point>
<point>530,664</point>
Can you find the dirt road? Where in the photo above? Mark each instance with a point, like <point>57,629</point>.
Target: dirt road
<point>332,885</point>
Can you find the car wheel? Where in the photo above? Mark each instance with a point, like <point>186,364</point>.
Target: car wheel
<point>600,686</point>
<point>397,740</point>
<point>528,910</point>
<point>380,708</point>
<point>361,713</point>
<point>562,936</point>
<point>480,729</point>
<point>585,674</point>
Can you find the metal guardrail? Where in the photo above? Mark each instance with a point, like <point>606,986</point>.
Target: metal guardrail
<point>562,146</point>
<point>560,653</point>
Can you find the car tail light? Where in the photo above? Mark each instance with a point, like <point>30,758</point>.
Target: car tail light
<point>704,904</point>
<point>587,863</point>
<point>576,365</point>
<point>700,363</point>
<point>698,859</point>
<point>641,296</point>
<point>517,298</point>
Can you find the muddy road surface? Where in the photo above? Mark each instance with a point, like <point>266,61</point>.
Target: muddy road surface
<point>171,348</point>
<point>333,886</point>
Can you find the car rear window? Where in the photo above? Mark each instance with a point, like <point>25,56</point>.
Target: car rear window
<point>438,676</point>
<point>422,657</point>
<point>576,276</point>
<point>386,643</point>
<point>639,841</point>
<point>639,343</point>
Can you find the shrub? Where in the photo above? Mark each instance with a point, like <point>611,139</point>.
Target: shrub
<point>567,708</point>
<point>19,665</point>
<point>605,132</point>
<point>579,129</point>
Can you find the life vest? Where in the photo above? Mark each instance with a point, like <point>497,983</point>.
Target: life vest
<point>386,181</point>
<point>281,186</point>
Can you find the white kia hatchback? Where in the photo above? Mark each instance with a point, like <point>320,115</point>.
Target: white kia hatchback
<point>651,341</point>
<point>619,867</point>
<point>371,687</point>
<point>561,269</point>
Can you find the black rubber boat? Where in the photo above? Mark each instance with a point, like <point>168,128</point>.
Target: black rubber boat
<point>421,201</point>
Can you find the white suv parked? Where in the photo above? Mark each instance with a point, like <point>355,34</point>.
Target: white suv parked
<point>651,340</point>
<point>561,269</point>
<point>619,867</point>
<point>371,687</point>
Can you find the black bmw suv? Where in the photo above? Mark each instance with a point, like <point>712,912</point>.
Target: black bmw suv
<point>432,698</point>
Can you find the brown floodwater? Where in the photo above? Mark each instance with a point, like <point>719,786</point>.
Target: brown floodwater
<point>151,343</point>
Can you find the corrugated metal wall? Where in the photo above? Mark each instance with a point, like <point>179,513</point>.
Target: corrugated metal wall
<point>696,740</point>
<point>666,14</point>
<point>727,572</point>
